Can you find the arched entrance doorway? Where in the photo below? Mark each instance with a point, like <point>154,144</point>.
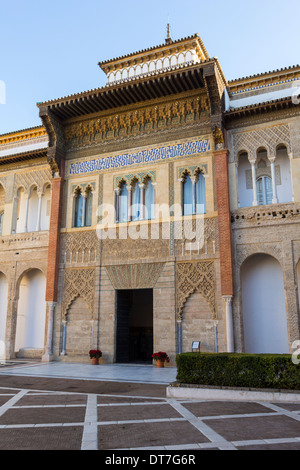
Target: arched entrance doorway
<point>3,312</point>
<point>30,331</point>
<point>263,306</point>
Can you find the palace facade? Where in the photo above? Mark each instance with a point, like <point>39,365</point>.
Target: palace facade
<point>159,210</point>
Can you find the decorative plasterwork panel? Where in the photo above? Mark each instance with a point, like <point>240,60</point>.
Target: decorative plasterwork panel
<point>78,283</point>
<point>192,170</point>
<point>138,121</point>
<point>268,138</point>
<point>195,277</point>
<point>83,186</point>
<point>78,243</point>
<point>33,178</point>
<point>140,177</point>
<point>135,276</point>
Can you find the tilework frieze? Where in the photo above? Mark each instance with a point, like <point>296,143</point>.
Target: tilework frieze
<point>141,157</point>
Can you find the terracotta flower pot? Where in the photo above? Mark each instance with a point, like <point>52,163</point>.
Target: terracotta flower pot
<point>160,364</point>
<point>95,361</point>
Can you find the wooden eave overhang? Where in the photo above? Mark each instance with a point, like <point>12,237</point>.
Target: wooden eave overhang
<point>157,51</point>
<point>260,108</point>
<point>175,81</point>
<point>23,156</point>
<point>274,77</point>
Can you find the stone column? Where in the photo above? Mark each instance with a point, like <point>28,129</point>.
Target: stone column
<point>84,196</point>
<point>275,198</point>
<point>142,212</point>
<point>229,324</point>
<point>237,183</point>
<point>26,213</point>
<point>38,223</point>
<point>11,325</point>
<point>64,338</point>
<point>194,194</point>
<point>179,336</point>
<point>181,181</point>
<point>117,193</point>
<point>48,356</point>
<point>129,189</point>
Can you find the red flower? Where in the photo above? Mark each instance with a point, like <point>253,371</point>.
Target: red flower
<point>161,356</point>
<point>95,353</point>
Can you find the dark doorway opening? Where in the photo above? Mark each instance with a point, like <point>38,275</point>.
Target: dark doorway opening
<point>134,335</point>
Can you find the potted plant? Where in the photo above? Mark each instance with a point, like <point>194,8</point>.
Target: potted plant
<point>160,358</point>
<point>95,355</point>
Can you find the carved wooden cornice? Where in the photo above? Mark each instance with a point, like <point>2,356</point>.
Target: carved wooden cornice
<point>138,121</point>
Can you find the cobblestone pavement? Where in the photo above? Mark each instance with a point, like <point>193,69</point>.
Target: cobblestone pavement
<point>74,414</point>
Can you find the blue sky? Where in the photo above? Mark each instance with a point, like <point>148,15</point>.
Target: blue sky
<point>51,49</point>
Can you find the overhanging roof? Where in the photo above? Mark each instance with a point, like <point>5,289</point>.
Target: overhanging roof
<point>174,81</point>
<point>23,156</point>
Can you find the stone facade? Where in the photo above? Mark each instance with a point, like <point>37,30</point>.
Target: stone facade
<point>171,276</point>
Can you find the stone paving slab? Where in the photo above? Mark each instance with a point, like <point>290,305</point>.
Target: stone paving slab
<point>253,428</point>
<point>133,412</point>
<point>46,413</point>
<point>50,438</point>
<point>42,415</point>
<point>83,386</point>
<point>134,435</point>
<point>49,400</point>
<point>213,408</point>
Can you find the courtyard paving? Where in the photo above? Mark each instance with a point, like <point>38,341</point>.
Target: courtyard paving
<point>81,407</point>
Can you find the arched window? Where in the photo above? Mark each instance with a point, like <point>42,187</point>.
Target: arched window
<point>194,197</point>
<point>78,208</point>
<point>88,207</point>
<point>123,207</point>
<point>136,201</point>
<point>187,195</point>
<point>200,194</point>
<point>264,190</point>
<point>149,199</point>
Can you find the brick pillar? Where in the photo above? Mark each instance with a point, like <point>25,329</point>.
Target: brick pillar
<point>54,239</point>
<point>53,261</point>
<point>223,207</point>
